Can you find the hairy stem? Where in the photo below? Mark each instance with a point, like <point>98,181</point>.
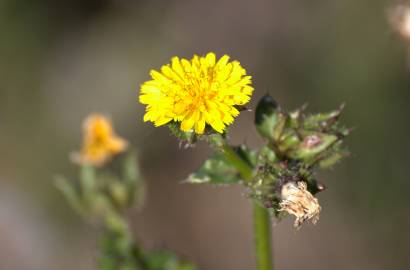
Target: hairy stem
<point>263,237</point>
<point>244,169</point>
<point>261,218</point>
<point>118,249</point>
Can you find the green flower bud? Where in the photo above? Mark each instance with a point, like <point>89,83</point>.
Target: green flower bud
<point>269,120</point>
<point>119,194</point>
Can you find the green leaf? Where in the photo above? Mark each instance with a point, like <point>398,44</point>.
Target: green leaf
<point>215,170</point>
<point>133,180</point>
<point>87,180</point>
<point>131,171</point>
<point>70,194</point>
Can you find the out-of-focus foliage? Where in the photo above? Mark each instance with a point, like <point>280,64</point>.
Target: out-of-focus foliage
<point>62,59</point>
<point>99,191</point>
<point>102,194</point>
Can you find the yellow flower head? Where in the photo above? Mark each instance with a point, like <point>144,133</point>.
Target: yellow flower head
<point>196,93</point>
<point>100,143</point>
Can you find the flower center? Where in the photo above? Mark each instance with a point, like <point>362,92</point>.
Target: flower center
<point>199,88</point>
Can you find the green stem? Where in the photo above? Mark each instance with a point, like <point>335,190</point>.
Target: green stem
<point>244,169</point>
<point>261,218</point>
<point>263,237</point>
<point>119,249</point>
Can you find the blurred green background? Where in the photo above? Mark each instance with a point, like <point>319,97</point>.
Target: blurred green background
<point>61,60</point>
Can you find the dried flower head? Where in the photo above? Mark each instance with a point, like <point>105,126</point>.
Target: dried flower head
<point>298,201</point>
<point>202,91</point>
<point>100,143</point>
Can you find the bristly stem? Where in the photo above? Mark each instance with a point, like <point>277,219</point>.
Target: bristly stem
<point>261,218</point>
<point>243,168</point>
<point>263,237</point>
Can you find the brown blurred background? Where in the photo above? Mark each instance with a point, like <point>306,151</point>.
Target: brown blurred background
<point>61,60</point>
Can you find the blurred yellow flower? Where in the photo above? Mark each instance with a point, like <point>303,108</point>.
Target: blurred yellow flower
<point>100,143</point>
<point>196,93</point>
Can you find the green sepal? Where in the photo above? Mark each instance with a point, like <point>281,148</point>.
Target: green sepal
<point>289,140</point>
<point>321,120</point>
<point>332,158</point>
<point>266,156</point>
<point>185,136</point>
<point>313,144</point>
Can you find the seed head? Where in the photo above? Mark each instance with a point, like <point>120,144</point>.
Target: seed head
<point>298,201</point>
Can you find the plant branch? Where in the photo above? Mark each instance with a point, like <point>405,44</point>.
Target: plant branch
<point>263,237</point>
<point>261,218</point>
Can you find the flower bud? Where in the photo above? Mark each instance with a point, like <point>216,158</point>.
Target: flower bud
<point>269,120</point>
<point>119,194</point>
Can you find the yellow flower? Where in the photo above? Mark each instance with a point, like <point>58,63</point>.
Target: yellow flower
<point>100,143</point>
<point>196,93</point>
